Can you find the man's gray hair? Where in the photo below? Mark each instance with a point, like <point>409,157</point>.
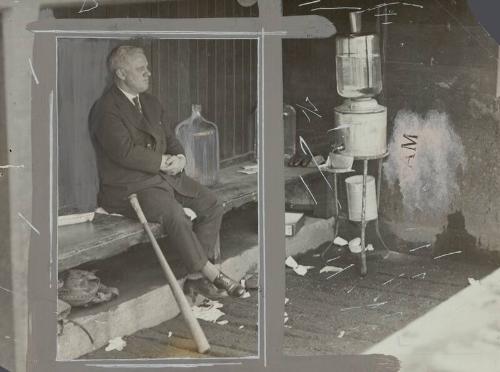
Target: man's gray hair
<point>119,55</point>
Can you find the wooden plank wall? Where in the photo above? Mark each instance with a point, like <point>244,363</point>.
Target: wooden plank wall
<point>82,78</point>
<point>217,75</point>
<point>220,75</point>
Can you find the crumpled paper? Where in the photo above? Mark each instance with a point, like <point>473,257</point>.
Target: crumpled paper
<point>340,241</point>
<point>299,269</point>
<point>208,311</point>
<point>116,343</point>
<point>473,281</point>
<point>246,295</point>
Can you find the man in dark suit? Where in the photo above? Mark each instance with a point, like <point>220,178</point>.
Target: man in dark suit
<point>138,153</point>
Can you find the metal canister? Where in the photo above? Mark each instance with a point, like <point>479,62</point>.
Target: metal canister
<point>362,127</point>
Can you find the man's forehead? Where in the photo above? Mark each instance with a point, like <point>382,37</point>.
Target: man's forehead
<point>137,58</point>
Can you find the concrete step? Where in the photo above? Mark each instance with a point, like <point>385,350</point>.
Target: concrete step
<point>146,300</point>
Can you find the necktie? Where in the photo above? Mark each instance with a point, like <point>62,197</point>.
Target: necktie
<point>137,104</point>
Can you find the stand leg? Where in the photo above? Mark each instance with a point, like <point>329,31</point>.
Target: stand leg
<point>363,220</point>
<point>336,222</point>
<point>336,228</point>
<point>377,230</point>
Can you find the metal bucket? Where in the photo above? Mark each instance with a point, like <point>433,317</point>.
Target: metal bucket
<point>354,187</point>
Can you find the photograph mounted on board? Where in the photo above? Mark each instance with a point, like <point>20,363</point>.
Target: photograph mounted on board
<point>158,253</point>
<point>391,195</point>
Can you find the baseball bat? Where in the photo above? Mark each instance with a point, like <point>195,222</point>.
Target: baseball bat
<point>189,318</point>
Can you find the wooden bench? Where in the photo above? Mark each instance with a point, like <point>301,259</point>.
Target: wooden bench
<point>109,235</point>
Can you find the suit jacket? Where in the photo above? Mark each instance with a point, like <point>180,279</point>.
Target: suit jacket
<point>129,148</point>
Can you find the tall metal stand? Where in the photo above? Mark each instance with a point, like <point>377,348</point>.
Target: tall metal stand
<point>365,159</point>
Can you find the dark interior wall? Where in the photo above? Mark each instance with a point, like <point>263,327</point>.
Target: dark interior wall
<point>439,58</point>
<point>309,69</point>
<point>6,301</point>
<point>220,75</point>
<point>435,57</point>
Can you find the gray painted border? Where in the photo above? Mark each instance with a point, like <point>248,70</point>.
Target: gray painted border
<point>42,304</point>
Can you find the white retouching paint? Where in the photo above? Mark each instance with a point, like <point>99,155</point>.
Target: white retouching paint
<point>425,157</point>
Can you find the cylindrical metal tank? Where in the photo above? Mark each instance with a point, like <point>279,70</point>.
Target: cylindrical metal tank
<point>362,128</point>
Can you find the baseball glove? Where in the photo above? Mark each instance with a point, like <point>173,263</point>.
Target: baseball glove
<point>83,288</point>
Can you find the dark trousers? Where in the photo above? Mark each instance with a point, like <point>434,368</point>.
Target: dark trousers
<point>193,240</point>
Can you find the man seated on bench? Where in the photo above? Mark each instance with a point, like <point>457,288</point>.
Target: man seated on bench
<point>138,153</point>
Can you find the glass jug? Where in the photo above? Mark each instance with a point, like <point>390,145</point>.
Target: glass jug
<point>200,139</point>
<point>359,72</point>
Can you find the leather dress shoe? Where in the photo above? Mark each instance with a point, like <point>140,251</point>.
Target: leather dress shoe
<point>204,287</point>
<point>233,288</point>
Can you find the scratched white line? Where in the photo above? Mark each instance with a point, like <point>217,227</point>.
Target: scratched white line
<point>447,254</point>
<point>304,143</point>
<point>28,222</point>
<point>307,116</point>
<point>83,9</point>
<point>312,104</point>
<point>337,8</point>
<point>351,308</point>
<point>422,275</point>
<point>377,304</point>
<point>385,14</point>
<point>307,187</point>
<point>388,281</point>
<point>386,23</point>
<point>341,271</point>
<point>11,166</point>
<point>311,111</point>
<point>33,73</point>
<point>383,5</point>
<point>309,3</point>
<point>422,246</point>
<point>415,5</point>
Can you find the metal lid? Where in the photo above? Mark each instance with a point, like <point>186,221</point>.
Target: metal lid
<point>360,106</point>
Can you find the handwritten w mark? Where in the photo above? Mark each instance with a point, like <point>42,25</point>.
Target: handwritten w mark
<point>410,145</point>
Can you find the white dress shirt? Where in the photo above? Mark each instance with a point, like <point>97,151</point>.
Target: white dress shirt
<point>131,97</point>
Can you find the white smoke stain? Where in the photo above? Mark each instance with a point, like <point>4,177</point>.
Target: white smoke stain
<point>428,181</point>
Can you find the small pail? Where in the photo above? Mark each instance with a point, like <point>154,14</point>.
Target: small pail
<point>354,187</point>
